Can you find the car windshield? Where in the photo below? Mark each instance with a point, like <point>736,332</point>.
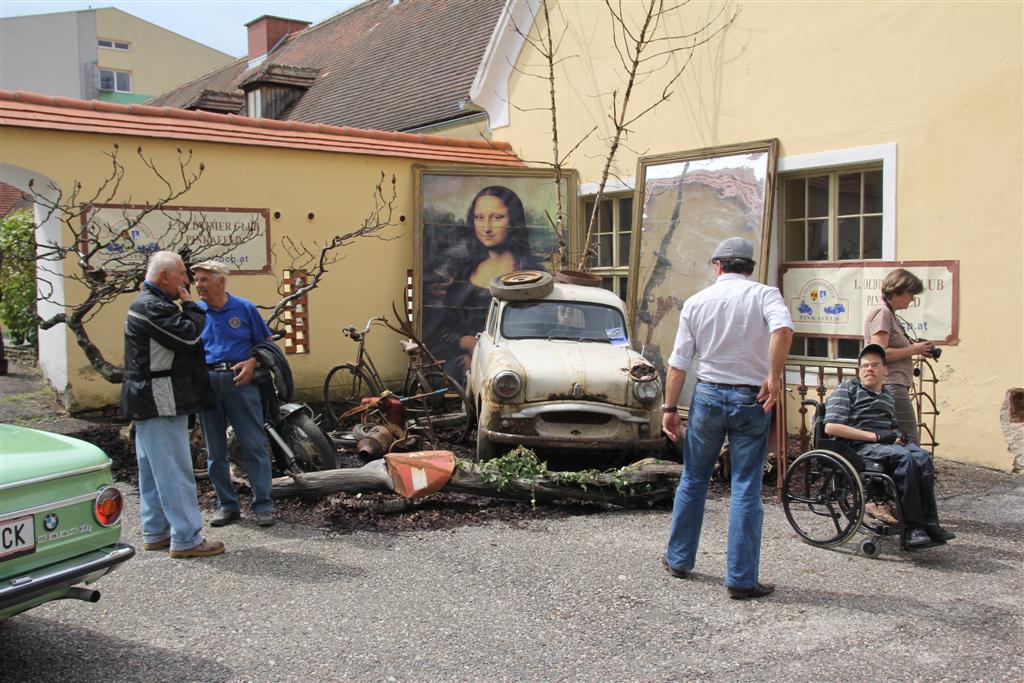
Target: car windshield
<point>563,320</point>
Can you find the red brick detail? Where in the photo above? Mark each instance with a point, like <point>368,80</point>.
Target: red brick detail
<point>267,30</point>
<point>296,315</point>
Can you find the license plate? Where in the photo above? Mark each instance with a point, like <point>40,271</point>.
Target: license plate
<point>17,536</point>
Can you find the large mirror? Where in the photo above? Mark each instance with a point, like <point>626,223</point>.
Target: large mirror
<point>685,204</point>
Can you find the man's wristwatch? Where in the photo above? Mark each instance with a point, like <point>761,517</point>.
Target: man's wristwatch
<point>670,409</point>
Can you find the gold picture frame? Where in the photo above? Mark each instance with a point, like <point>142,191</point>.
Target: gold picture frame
<point>448,297</point>
<point>685,203</point>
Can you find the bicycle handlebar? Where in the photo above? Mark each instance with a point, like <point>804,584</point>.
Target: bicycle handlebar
<point>350,331</point>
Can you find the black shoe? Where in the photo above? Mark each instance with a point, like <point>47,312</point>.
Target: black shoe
<point>225,517</point>
<point>938,534</point>
<point>917,538</point>
<point>265,519</point>
<point>758,591</point>
<point>678,573</point>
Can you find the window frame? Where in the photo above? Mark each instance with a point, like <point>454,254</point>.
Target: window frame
<point>114,44</point>
<point>837,161</point>
<point>114,73</point>
<point>618,274</point>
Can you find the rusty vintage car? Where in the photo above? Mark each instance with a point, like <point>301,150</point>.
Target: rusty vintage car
<point>553,370</point>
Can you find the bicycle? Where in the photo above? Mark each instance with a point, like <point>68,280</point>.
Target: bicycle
<point>432,399</point>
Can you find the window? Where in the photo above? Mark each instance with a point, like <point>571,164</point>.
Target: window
<point>254,104</point>
<point>611,241</point>
<point>831,216</point>
<point>113,44</point>
<point>834,216</point>
<point>825,348</point>
<point>115,81</point>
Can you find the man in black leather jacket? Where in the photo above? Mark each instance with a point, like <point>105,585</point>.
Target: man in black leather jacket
<point>165,380</point>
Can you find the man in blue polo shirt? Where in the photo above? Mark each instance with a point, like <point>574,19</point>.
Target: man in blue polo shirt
<point>233,327</point>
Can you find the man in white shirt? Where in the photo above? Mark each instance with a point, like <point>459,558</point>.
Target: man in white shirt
<point>740,332</point>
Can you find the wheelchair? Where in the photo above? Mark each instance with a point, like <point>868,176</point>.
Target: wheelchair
<point>827,489</point>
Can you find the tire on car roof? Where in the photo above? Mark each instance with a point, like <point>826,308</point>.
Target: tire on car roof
<point>522,285</point>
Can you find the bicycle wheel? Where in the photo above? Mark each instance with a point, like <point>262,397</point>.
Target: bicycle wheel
<point>449,413</point>
<point>345,386</point>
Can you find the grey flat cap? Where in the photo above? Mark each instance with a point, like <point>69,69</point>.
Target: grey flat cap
<point>734,247</point>
<point>211,266</point>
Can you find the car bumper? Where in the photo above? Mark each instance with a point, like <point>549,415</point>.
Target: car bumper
<point>53,581</point>
<point>574,442</point>
<point>574,425</point>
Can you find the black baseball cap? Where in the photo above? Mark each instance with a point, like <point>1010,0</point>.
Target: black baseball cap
<point>873,349</point>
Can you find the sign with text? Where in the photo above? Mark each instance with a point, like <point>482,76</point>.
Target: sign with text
<point>833,298</point>
<point>126,235</point>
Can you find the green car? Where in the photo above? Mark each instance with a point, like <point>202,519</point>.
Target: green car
<point>60,519</point>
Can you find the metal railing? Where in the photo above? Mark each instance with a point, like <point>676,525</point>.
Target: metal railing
<point>817,379</point>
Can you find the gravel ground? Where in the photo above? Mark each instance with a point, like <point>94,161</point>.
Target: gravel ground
<point>560,599</point>
<point>545,595</point>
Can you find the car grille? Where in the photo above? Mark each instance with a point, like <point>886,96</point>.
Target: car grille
<point>578,417</point>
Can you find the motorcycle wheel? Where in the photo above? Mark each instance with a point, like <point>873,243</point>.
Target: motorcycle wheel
<point>313,450</point>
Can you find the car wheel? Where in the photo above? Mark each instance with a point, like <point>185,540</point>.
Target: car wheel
<point>522,285</point>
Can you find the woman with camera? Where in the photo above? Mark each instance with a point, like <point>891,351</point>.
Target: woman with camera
<point>883,327</point>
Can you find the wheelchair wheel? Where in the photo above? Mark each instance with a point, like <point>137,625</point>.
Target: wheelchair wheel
<point>870,547</point>
<point>823,498</point>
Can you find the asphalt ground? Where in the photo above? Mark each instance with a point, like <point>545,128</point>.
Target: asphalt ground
<point>564,598</point>
<point>567,599</point>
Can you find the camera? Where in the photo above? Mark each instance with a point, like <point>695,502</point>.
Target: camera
<point>936,352</point>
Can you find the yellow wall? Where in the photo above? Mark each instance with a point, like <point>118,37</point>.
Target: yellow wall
<point>158,59</point>
<point>943,81</point>
<point>337,188</point>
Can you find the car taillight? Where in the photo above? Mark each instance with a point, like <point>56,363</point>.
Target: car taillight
<point>108,506</point>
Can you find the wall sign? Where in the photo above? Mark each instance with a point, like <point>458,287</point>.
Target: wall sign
<point>833,298</point>
<point>239,238</point>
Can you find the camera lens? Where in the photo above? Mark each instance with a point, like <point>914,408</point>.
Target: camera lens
<point>936,352</point>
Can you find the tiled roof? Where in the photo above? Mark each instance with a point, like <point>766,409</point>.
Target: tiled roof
<point>382,65</point>
<point>10,197</point>
<point>29,110</point>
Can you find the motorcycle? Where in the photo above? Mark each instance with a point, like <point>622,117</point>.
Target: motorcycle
<point>297,443</point>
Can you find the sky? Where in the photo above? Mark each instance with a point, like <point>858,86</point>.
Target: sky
<point>217,23</point>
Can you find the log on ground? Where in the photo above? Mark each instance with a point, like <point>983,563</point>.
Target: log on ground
<point>643,483</point>
<point>369,478</point>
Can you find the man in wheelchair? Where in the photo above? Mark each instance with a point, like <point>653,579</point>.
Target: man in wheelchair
<point>862,412</point>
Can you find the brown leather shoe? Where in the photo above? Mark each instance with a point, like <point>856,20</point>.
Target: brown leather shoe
<point>758,591</point>
<point>158,545</point>
<point>207,548</point>
<point>882,512</point>
<point>678,573</point>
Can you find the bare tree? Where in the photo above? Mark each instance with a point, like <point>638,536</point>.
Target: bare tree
<point>649,51</point>
<point>107,258</point>
<point>315,259</point>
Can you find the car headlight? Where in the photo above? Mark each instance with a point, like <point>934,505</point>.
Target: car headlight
<point>506,384</point>
<point>646,392</point>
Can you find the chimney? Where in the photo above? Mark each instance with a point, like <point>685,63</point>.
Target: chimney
<point>266,31</point>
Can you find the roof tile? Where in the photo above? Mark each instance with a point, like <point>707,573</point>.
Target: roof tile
<point>382,65</point>
<point>31,110</point>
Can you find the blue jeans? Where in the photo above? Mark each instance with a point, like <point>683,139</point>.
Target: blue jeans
<point>242,407</point>
<point>167,486</point>
<point>715,413</point>
<point>914,472</point>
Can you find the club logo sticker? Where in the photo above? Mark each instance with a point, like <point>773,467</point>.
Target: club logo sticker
<point>818,301</point>
<point>235,322</point>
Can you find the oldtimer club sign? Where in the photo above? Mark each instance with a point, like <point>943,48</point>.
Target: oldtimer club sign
<point>833,298</point>
<point>237,237</point>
